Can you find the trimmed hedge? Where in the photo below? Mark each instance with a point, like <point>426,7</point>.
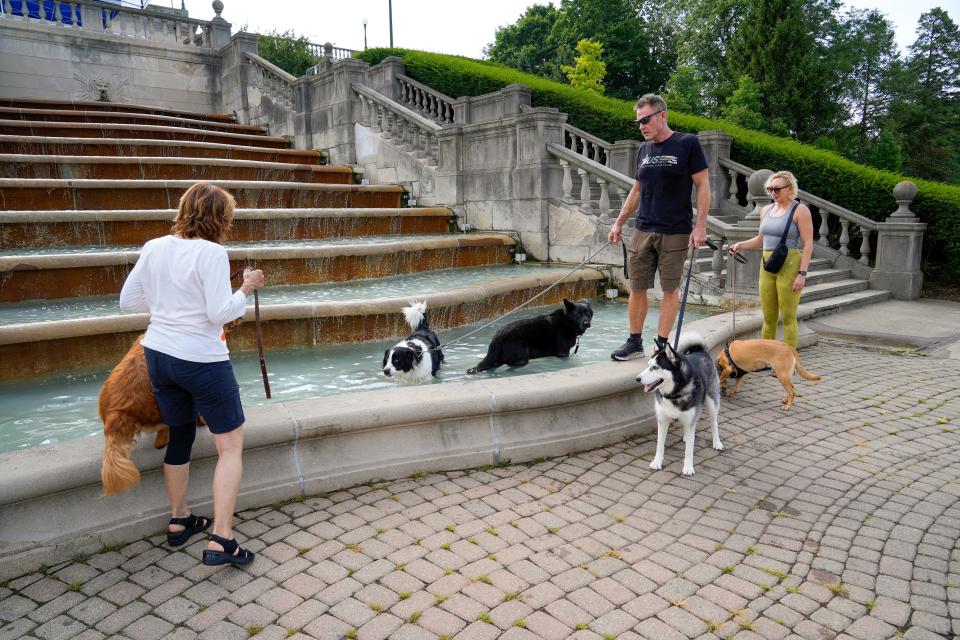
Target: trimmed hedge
<point>859,188</point>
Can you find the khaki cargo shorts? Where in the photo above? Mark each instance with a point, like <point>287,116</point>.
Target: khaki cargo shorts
<point>648,253</point>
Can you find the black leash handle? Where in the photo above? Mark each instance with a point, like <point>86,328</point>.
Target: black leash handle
<point>256,325</point>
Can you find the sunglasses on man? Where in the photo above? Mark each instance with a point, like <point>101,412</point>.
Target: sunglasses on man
<point>645,120</point>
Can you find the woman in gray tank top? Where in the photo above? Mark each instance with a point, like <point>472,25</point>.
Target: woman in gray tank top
<point>780,292</point>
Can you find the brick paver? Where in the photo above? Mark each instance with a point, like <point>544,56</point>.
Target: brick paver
<point>839,520</point>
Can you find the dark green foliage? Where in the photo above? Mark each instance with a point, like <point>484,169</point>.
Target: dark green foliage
<point>865,190</point>
<point>288,51</point>
<point>526,45</point>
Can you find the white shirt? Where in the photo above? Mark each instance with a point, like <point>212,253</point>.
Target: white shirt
<point>185,286</point>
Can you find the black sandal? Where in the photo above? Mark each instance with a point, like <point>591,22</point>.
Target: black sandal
<point>193,524</point>
<point>232,553</point>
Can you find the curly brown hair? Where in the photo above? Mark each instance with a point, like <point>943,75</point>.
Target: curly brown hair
<point>206,211</point>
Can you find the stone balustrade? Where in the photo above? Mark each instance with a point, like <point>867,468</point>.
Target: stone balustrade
<point>327,50</point>
<point>426,101</point>
<point>271,80</point>
<point>590,172</point>
<point>587,145</point>
<point>401,126</point>
<point>113,19</point>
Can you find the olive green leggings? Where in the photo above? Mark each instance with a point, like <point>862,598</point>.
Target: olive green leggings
<point>777,297</point>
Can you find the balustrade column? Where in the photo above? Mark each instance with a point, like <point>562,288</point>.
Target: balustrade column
<point>584,190</point>
<point>733,187</point>
<point>567,184</point>
<point>604,198</point>
<point>865,246</point>
<point>844,237</point>
<point>824,241</point>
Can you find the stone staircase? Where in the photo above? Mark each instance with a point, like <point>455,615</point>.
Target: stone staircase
<point>84,185</point>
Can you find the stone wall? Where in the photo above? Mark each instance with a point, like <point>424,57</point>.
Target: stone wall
<point>41,59</point>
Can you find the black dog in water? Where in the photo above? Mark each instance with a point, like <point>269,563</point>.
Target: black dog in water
<point>521,341</point>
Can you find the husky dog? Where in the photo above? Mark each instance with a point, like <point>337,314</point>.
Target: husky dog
<point>553,334</point>
<point>685,381</point>
<point>415,359</point>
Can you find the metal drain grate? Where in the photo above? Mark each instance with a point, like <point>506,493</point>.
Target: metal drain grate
<point>939,343</point>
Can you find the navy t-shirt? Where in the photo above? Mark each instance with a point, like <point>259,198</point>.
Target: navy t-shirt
<point>664,171</point>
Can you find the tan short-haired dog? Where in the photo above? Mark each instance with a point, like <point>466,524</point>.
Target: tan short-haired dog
<point>745,356</point>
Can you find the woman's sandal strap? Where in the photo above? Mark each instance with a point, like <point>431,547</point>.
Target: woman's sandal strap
<point>232,552</point>
<point>192,524</point>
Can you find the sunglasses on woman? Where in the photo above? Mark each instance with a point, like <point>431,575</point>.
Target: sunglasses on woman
<point>646,119</point>
<point>775,190</point>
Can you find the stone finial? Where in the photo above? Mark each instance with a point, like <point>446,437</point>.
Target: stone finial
<point>904,193</point>
<point>756,188</point>
<point>217,8</point>
<point>328,49</point>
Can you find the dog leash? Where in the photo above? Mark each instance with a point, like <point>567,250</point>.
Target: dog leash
<point>686,288</point>
<point>523,304</point>
<point>258,331</point>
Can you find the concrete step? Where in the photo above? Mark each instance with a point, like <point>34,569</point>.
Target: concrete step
<point>114,147</point>
<point>63,195</point>
<point>831,289</point>
<point>25,128</point>
<point>122,107</point>
<point>84,344</point>
<point>35,229</point>
<point>75,273</point>
<point>120,117</point>
<point>161,168</point>
<point>844,301</point>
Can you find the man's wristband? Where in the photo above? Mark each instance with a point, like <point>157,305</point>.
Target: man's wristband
<point>802,273</point>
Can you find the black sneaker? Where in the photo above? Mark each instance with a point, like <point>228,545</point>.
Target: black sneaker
<point>630,350</point>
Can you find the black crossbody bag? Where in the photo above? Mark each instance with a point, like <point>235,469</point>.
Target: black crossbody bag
<point>775,262</point>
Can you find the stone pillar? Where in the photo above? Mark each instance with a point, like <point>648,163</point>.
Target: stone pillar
<point>899,243</point>
<point>219,28</point>
<point>623,157</point>
<point>748,275</point>
<point>461,110</point>
<point>515,96</point>
<point>382,78</point>
<point>536,178</point>
<point>716,145</point>
<point>234,79</point>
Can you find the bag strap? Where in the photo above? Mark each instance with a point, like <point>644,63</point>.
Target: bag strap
<point>786,227</point>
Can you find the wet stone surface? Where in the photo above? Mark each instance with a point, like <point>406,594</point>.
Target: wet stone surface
<point>839,519</point>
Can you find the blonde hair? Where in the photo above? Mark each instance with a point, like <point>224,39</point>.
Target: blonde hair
<point>791,182</point>
<point>206,211</point>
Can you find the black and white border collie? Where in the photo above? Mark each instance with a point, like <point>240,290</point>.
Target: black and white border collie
<point>415,359</point>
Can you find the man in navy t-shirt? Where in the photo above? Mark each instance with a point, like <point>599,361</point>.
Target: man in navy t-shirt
<point>669,164</point>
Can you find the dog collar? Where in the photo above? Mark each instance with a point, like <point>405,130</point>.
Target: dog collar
<point>726,352</point>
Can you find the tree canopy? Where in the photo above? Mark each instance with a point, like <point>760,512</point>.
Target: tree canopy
<point>805,68</point>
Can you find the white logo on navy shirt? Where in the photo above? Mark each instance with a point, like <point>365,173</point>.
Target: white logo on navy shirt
<point>658,161</point>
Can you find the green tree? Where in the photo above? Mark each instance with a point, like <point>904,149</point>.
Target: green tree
<point>615,24</point>
<point>744,105</point>
<point>788,47</point>
<point>287,50</point>
<point>928,109</point>
<point>526,45</point>
<point>684,91</point>
<point>869,93</point>
<point>588,70</point>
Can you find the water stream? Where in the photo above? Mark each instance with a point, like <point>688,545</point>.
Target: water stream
<point>65,407</point>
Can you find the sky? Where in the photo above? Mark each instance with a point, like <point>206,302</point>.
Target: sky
<point>462,27</point>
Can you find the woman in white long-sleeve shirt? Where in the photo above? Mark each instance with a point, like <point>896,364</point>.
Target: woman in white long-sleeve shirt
<point>183,281</point>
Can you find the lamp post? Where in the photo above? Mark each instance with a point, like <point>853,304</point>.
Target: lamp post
<point>364,34</point>
<point>390,9</point>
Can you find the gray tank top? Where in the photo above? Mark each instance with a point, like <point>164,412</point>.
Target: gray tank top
<point>772,230</point>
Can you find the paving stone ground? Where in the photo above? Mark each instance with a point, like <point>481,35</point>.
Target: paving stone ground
<point>839,519</point>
